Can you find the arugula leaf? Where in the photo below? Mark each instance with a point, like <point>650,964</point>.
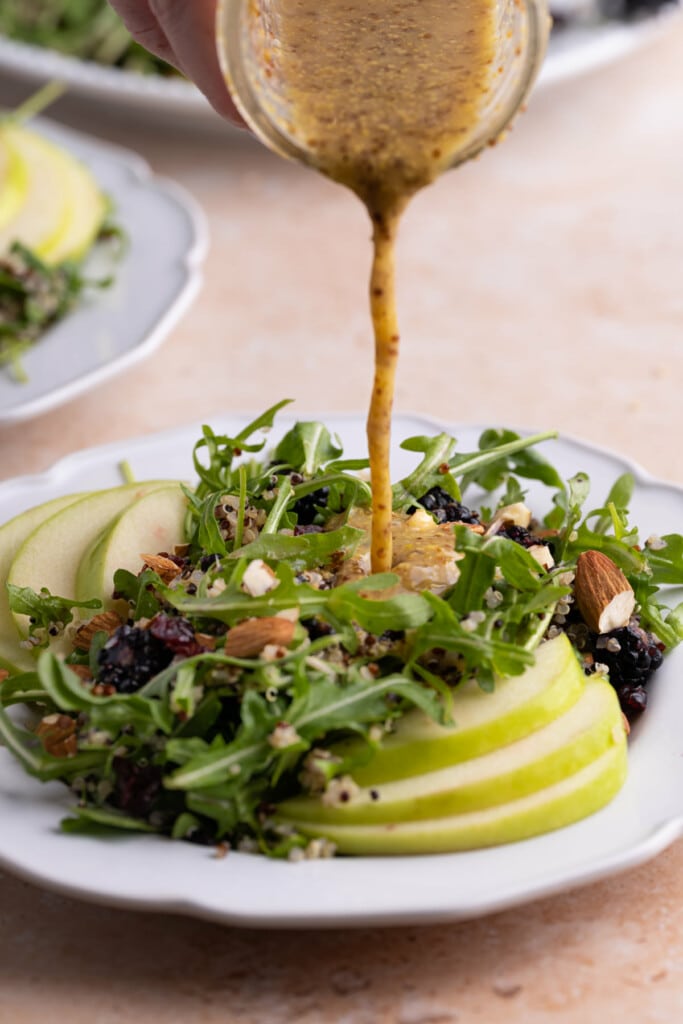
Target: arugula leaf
<point>502,452</point>
<point>666,563</point>
<point>307,447</point>
<point>47,612</point>
<point>139,591</point>
<point>304,552</point>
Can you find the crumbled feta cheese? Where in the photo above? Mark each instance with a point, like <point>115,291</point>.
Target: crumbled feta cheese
<point>340,790</point>
<point>541,552</point>
<point>283,735</point>
<point>259,578</point>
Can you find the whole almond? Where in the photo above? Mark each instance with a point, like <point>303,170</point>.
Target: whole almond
<point>162,566</point>
<point>604,596</point>
<point>248,639</point>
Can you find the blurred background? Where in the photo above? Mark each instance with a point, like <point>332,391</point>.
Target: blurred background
<point>539,287</point>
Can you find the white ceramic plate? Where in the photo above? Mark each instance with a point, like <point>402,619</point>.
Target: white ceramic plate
<point>152,873</point>
<point>572,52</point>
<point>576,51</point>
<point>156,278</point>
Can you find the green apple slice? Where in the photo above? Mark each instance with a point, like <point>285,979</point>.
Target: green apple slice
<point>50,556</point>
<point>553,807</point>
<point>43,218</point>
<point>483,722</point>
<point>87,209</point>
<point>12,535</point>
<point>14,182</point>
<point>547,756</point>
<point>151,524</point>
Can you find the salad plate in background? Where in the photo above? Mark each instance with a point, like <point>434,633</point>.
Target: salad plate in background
<point>154,278</point>
<point>576,48</point>
<point>149,872</point>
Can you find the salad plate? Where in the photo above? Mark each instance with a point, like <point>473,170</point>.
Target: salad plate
<point>573,51</point>
<point>577,50</point>
<point>155,277</point>
<point>152,873</point>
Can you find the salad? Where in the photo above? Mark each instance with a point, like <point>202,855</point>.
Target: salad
<point>53,214</point>
<point>252,686</point>
<point>87,29</point>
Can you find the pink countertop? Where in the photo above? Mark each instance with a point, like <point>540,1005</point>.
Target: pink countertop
<point>540,286</point>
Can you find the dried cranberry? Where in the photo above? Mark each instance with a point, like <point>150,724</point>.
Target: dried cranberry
<point>175,633</point>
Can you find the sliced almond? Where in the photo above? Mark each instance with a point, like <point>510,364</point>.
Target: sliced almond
<point>207,641</point>
<point>162,566</point>
<point>83,672</point>
<point>248,639</point>
<point>105,622</point>
<point>604,596</point>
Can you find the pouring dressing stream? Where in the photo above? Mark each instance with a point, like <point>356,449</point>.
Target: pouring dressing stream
<point>381,96</point>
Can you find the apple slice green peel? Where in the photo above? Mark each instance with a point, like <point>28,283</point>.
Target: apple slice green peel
<point>518,706</point>
<point>546,756</point>
<point>51,554</point>
<point>12,536</point>
<point>150,524</point>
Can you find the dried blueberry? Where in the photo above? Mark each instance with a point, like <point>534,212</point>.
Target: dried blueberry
<point>307,507</point>
<point>520,536</point>
<point>136,786</point>
<point>445,508</point>
<point>130,658</point>
<point>631,655</point>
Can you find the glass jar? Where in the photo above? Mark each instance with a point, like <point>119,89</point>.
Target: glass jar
<point>257,58</point>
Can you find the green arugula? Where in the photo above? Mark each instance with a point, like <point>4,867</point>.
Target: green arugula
<point>219,736</point>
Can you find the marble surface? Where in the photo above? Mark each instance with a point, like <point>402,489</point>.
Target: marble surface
<point>540,286</point>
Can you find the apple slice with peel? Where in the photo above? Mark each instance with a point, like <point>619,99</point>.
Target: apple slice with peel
<point>149,525</point>
<point>565,746</point>
<point>517,706</point>
<point>43,217</point>
<point>12,535</point>
<point>87,209</point>
<point>51,203</point>
<point>14,181</point>
<point>552,807</point>
<point>50,556</point>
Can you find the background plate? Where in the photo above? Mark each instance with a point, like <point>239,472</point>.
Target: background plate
<point>155,281</point>
<point>157,874</point>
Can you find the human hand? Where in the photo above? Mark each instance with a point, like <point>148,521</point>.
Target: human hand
<point>183,34</point>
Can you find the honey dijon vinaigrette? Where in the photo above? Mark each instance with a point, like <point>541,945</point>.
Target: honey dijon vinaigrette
<point>381,94</point>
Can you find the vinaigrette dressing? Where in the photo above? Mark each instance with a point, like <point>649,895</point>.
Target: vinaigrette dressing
<point>383,94</point>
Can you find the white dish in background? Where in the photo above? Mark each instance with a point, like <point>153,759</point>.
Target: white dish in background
<point>578,50</point>
<point>155,280</point>
<point>152,873</point>
<point>573,51</point>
